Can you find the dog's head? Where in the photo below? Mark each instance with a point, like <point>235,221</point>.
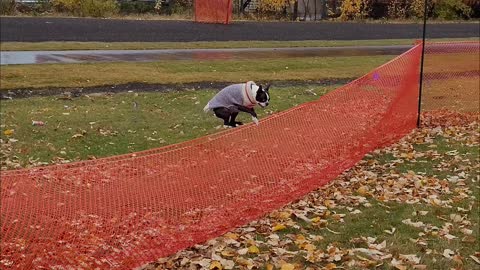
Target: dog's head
<point>263,96</point>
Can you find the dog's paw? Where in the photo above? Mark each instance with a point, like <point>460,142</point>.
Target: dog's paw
<point>227,126</point>
<point>237,124</point>
<point>255,120</point>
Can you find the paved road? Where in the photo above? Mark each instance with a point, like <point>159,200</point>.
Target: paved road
<point>48,57</point>
<point>79,29</point>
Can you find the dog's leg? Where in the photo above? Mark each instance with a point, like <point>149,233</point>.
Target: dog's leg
<point>250,111</point>
<point>225,114</point>
<point>232,120</point>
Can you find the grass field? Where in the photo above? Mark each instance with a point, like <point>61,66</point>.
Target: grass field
<point>83,75</point>
<point>58,46</point>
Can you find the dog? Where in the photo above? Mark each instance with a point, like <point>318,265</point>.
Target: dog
<point>236,98</point>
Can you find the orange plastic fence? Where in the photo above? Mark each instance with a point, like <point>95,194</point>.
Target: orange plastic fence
<point>124,211</point>
<point>452,77</point>
<point>213,11</point>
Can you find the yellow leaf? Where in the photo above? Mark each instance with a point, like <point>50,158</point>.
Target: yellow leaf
<point>278,227</point>
<point>316,219</point>
<point>329,203</point>
<point>309,247</point>
<point>330,266</point>
<point>253,250</point>
<point>284,215</point>
<point>242,261</point>
<point>269,266</point>
<point>228,253</point>
<point>287,266</point>
<point>363,190</point>
<point>232,236</point>
<point>8,132</point>
<point>216,265</point>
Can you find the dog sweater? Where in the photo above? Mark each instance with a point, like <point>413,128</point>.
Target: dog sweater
<point>235,94</point>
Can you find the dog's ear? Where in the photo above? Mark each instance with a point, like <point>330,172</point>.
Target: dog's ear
<point>260,88</point>
<point>267,88</point>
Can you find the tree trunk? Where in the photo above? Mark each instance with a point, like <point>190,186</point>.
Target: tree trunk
<point>295,11</point>
<point>323,9</point>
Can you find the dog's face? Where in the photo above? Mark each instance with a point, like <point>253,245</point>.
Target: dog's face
<point>263,97</point>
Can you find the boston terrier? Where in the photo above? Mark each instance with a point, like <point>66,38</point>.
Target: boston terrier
<point>237,98</point>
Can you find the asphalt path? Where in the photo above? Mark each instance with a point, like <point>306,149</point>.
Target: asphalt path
<point>65,57</point>
<point>114,30</point>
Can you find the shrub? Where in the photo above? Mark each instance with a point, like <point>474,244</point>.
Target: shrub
<point>7,7</point>
<point>397,9</point>
<point>67,6</point>
<point>418,6</point>
<point>99,8</point>
<point>272,8</point>
<point>451,9</point>
<point>355,9</point>
<point>272,5</point>
<point>87,8</point>
<point>174,6</point>
<point>137,7</point>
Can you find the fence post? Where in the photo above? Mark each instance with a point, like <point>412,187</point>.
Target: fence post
<point>422,63</point>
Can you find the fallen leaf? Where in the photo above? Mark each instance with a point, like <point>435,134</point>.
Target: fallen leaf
<point>287,266</point>
<point>458,259</point>
<point>398,264</point>
<point>9,132</point>
<point>216,265</point>
<point>227,253</point>
<point>242,251</point>
<point>78,135</point>
<point>334,232</point>
<point>449,236</point>
<point>253,250</point>
<point>232,236</point>
<point>278,227</point>
<point>330,266</point>
<point>417,224</point>
<point>411,258</point>
<point>391,232</point>
<point>245,262</point>
<point>363,190</point>
<point>477,260</point>
<point>447,253</point>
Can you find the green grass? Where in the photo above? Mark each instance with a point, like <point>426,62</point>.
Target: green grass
<point>165,72</point>
<point>69,45</point>
<point>372,221</point>
<point>111,125</point>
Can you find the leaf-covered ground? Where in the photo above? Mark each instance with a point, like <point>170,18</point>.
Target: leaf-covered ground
<point>412,205</point>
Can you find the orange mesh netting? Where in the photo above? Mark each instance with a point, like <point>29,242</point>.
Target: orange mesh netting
<point>213,11</point>
<point>452,78</point>
<point>124,211</point>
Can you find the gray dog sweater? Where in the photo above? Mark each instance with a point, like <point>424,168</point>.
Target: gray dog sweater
<point>235,94</point>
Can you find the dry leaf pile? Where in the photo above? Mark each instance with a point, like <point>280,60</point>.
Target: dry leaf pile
<point>298,235</point>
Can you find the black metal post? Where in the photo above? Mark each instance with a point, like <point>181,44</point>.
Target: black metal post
<point>421,65</point>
